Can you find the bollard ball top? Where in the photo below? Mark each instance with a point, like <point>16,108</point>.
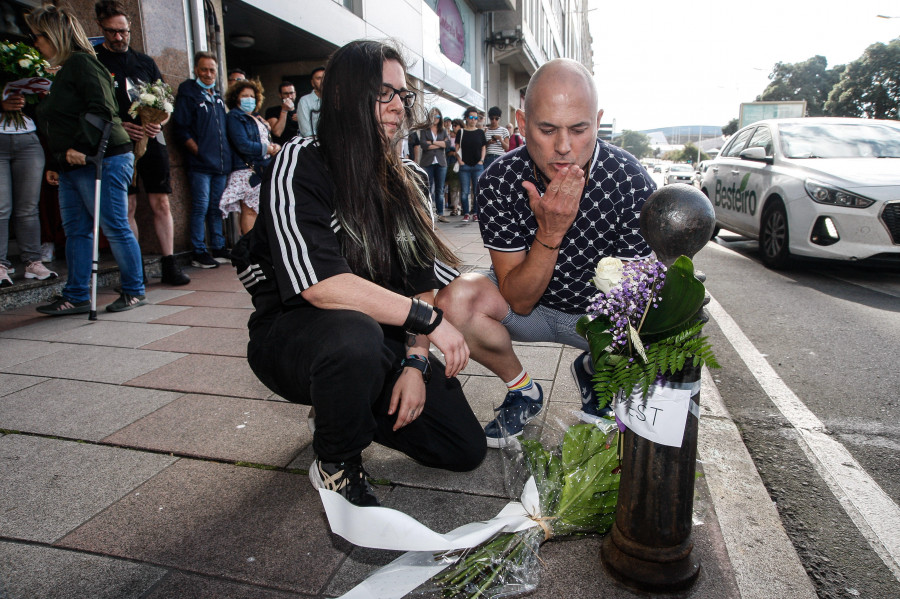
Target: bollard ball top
<point>677,220</point>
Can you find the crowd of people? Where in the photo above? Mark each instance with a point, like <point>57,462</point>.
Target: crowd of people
<point>350,280</point>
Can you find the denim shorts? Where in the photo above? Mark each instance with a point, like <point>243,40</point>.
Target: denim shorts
<point>542,325</point>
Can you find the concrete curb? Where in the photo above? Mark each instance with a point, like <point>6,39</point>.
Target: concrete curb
<point>764,560</point>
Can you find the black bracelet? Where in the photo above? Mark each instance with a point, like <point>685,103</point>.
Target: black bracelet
<point>419,363</point>
<point>419,317</point>
<point>549,247</point>
<point>431,327</point>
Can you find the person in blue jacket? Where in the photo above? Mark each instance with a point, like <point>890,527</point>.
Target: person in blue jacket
<point>252,150</point>
<point>200,125</point>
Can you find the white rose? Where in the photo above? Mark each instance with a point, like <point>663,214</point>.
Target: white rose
<point>148,99</point>
<point>167,106</point>
<point>608,274</point>
<point>24,63</point>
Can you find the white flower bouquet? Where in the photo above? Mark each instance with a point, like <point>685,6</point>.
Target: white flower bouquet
<point>22,71</point>
<point>153,103</point>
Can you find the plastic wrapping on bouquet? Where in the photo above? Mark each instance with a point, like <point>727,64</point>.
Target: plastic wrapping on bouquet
<point>650,545</point>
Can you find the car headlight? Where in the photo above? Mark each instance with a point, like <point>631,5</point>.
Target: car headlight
<point>828,194</point>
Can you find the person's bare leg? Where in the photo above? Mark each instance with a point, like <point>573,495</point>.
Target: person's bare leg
<point>162,222</point>
<point>473,304</point>
<point>132,208</point>
<point>248,218</point>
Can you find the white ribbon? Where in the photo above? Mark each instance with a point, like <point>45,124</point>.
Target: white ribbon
<point>384,528</point>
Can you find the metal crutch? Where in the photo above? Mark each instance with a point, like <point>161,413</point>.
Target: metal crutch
<point>97,159</point>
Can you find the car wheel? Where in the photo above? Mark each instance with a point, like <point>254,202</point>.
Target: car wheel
<point>773,236</point>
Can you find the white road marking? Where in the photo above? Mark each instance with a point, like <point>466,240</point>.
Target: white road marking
<point>874,513</point>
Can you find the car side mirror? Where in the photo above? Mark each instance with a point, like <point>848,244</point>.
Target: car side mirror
<point>758,154</point>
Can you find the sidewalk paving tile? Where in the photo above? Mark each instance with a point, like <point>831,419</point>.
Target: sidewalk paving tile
<point>51,486</point>
<point>222,428</point>
<point>146,313</point>
<point>156,295</point>
<point>178,585</point>
<point>118,334</point>
<point>204,374</point>
<point>47,328</point>
<point>17,351</point>
<point>213,299</point>
<point>439,511</point>
<point>78,409</point>
<point>49,573</point>
<point>11,383</point>
<point>539,361</point>
<point>229,318</point>
<point>95,363</point>
<point>242,524</point>
<point>223,278</point>
<point>205,340</point>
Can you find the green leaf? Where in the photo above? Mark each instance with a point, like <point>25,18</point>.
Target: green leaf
<point>679,299</point>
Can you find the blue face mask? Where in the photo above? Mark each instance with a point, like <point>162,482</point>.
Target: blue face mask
<point>203,85</point>
<point>248,104</point>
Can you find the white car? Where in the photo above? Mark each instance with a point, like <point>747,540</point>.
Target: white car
<point>679,173</point>
<point>813,187</point>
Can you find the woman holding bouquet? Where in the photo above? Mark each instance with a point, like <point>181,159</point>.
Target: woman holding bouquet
<point>249,136</point>
<point>83,86</point>
<point>343,269</point>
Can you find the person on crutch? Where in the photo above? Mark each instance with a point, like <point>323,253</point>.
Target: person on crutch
<point>82,87</point>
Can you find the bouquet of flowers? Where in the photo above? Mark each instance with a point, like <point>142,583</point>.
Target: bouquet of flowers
<point>643,325</point>
<point>153,103</point>
<point>23,71</point>
<point>577,483</point>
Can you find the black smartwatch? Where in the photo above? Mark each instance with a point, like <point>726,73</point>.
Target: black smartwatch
<point>419,363</point>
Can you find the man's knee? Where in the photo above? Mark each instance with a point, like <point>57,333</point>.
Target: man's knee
<point>470,295</point>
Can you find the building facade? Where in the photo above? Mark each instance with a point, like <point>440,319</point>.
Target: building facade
<point>461,52</point>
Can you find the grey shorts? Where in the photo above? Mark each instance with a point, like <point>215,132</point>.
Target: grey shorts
<point>543,324</point>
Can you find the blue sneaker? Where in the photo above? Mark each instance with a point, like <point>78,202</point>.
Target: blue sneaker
<point>514,413</point>
<point>589,410</point>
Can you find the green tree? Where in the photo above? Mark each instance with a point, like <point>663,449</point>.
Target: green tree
<point>687,154</point>
<point>810,80</point>
<point>731,128</point>
<point>870,86</point>
<point>635,142</point>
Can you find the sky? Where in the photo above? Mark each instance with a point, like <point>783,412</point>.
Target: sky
<point>662,63</point>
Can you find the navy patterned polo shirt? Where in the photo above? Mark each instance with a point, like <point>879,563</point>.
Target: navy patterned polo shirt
<point>607,223</point>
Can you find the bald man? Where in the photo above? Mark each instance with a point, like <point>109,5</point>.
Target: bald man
<point>548,212</point>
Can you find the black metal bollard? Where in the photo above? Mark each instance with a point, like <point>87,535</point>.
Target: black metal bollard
<point>650,545</point>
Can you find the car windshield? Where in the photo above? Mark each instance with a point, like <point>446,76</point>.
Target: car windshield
<point>844,140</point>
<point>680,167</point>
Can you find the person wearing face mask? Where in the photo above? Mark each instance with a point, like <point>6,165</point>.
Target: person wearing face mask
<point>249,135</point>
<point>199,119</point>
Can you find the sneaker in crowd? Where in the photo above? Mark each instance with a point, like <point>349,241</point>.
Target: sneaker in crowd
<point>37,270</point>
<point>60,306</point>
<point>203,260</point>
<point>589,410</point>
<point>474,218</point>
<point>514,413</point>
<point>221,255</point>
<point>126,301</point>
<point>465,218</point>
<point>172,273</point>
<point>5,281</point>
<point>48,251</point>
<point>347,478</point>
<point>442,219</point>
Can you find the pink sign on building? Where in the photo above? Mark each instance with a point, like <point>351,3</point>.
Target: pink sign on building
<point>453,36</point>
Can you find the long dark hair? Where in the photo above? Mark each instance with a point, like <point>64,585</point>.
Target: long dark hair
<point>379,202</point>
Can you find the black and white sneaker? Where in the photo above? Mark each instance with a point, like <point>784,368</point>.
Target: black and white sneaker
<point>203,260</point>
<point>347,478</point>
<point>221,255</point>
<point>589,411</point>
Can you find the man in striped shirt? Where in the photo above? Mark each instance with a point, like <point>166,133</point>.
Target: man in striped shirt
<point>497,136</point>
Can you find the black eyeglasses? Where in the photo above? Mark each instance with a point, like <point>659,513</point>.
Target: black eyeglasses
<point>34,37</point>
<point>114,32</point>
<point>408,98</point>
